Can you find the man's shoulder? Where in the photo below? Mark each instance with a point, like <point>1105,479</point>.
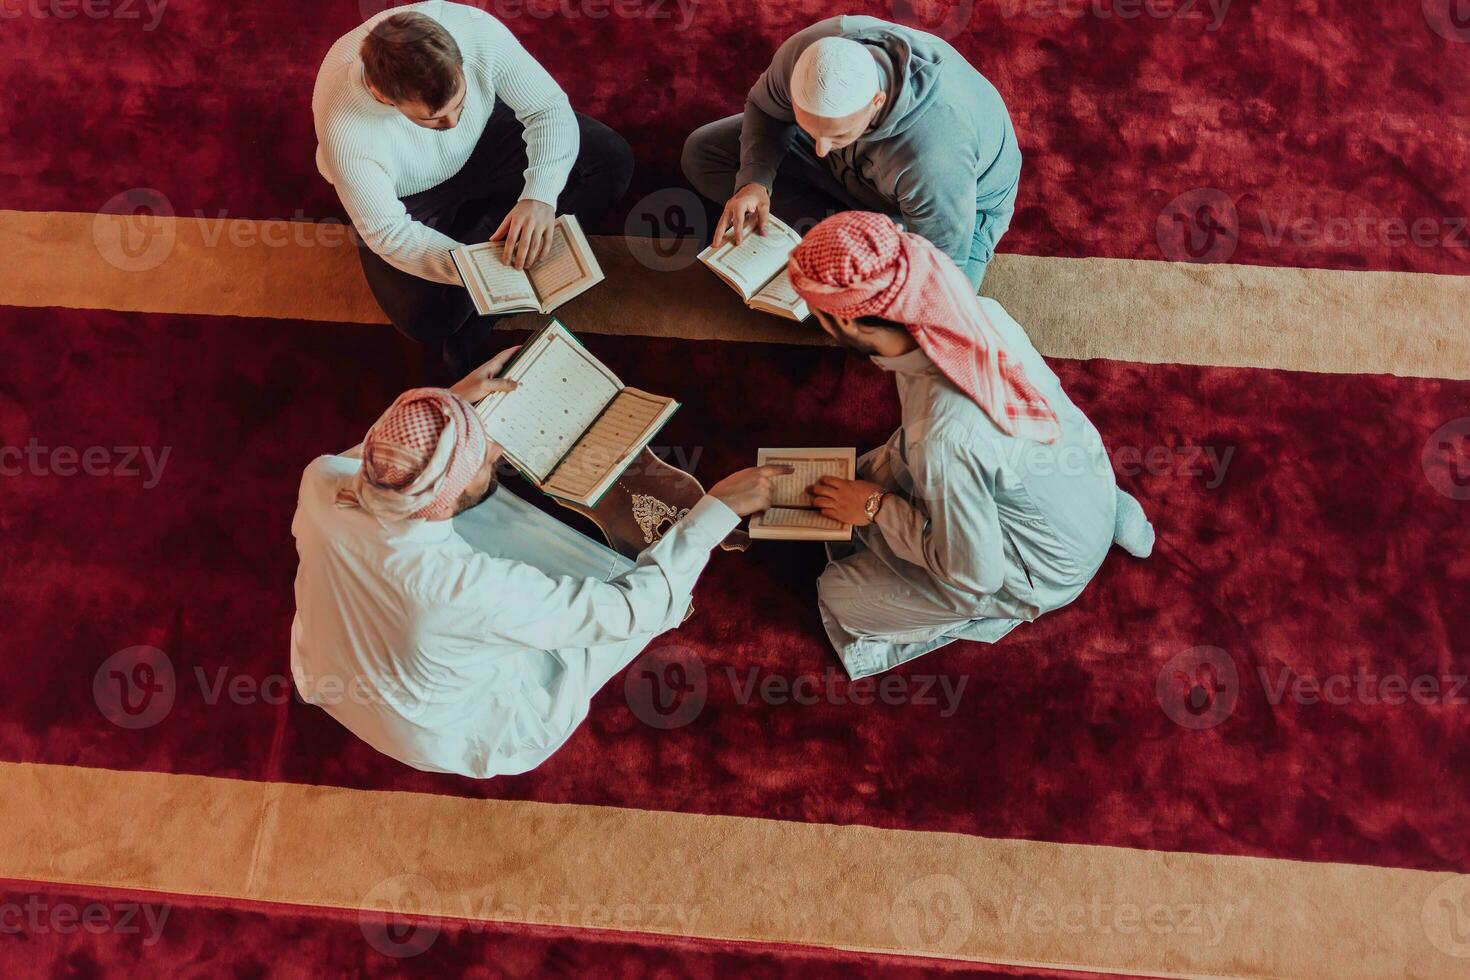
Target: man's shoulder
<point>330,467</point>
<point>320,482</point>
<point>477,32</point>
<point>936,412</point>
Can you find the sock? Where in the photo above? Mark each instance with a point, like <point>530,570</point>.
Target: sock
<point>1131,530</point>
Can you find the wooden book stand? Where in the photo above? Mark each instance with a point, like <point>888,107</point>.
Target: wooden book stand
<point>648,499</point>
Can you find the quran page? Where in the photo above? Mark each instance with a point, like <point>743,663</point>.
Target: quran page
<point>793,515</point>
<point>809,465</point>
<point>562,390</point>
<point>625,426</point>
<point>754,262</point>
<point>569,270</point>
<point>779,297</point>
<point>494,286</point>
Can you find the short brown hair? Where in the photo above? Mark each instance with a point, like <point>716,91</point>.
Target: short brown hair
<point>412,58</point>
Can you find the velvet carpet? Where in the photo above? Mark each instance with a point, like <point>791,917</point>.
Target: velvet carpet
<point>1284,679</point>
<point>1320,548</point>
<point>1296,113</point>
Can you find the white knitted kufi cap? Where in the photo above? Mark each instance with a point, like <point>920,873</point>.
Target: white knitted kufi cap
<point>834,77</point>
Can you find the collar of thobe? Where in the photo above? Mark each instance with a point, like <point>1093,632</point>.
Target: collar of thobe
<point>412,529</point>
<point>914,362</point>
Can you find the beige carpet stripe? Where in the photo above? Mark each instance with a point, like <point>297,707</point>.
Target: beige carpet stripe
<point>726,878</point>
<point>1136,310</point>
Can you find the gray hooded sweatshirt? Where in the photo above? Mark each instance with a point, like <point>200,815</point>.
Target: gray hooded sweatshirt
<point>941,149</point>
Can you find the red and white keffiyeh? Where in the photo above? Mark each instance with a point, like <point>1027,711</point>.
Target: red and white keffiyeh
<point>418,458</point>
<point>858,263</point>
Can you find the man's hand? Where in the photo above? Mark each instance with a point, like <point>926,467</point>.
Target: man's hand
<point>748,491</point>
<point>844,500</point>
<point>752,199</point>
<point>527,233</point>
<point>484,380</point>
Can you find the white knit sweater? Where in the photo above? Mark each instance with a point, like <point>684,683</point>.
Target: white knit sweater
<point>373,155</point>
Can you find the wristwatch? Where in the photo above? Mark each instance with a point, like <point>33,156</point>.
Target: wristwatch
<point>874,503</point>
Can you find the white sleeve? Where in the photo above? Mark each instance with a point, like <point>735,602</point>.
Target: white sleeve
<point>386,227</point>
<point>525,607</point>
<point>952,528</point>
<point>551,134</point>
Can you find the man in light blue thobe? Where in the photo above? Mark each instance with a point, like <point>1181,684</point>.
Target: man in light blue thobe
<point>962,529</point>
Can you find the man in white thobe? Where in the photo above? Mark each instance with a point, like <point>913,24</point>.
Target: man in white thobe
<point>451,625</point>
<point>995,500</point>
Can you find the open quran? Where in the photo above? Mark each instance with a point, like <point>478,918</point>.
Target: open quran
<point>571,426</point>
<point>793,515</point>
<point>569,270</point>
<point>756,269</point>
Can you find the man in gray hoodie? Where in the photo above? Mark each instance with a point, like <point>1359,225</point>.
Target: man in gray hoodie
<point>919,135</point>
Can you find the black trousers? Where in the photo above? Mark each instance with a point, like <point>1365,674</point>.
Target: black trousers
<point>468,207</point>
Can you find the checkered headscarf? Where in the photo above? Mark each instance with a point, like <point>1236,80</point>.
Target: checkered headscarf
<point>418,458</point>
<point>858,263</point>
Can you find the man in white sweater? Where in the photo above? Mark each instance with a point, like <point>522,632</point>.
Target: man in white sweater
<point>437,128</point>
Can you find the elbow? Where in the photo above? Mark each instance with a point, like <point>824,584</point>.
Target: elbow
<point>650,614</point>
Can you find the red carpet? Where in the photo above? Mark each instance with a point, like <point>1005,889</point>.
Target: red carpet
<point>1323,551</point>
<point>1297,113</point>
<point>1329,548</point>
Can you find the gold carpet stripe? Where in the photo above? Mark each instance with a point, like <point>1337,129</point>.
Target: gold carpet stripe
<point>1228,315</point>
<point>724,878</point>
